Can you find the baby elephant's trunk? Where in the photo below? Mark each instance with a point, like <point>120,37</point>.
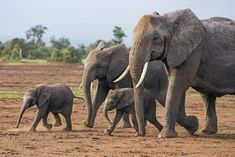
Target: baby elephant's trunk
<point>23,109</point>
<point>105,111</point>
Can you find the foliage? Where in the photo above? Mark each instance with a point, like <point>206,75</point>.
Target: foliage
<point>60,49</point>
<point>35,34</point>
<point>118,34</point>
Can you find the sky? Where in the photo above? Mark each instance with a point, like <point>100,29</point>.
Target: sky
<point>85,21</point>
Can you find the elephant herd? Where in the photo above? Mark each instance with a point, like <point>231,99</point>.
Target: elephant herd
<point>169,54</point>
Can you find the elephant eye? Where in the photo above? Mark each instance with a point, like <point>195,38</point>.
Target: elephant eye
<point>155,38</point>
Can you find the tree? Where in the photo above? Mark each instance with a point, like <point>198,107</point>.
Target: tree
<point>118,34</point>
<point>35,34</point>
<point>14,49</point>
<point>59,43</point>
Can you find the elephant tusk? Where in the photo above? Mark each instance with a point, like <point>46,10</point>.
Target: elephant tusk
<point>142,75</point>
<point>122,75</point>
<point>80,86</point>
<point>91,86</point>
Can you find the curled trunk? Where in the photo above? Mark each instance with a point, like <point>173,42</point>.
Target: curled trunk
<point>106,114</point>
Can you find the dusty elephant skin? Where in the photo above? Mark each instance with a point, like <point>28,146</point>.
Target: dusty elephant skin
<point>106,65</point>
<point>123,101</point>
<point>57,98</point>
<point>196,53</point>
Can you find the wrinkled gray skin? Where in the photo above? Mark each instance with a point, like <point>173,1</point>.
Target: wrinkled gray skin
<point>57,98</point>
<point>123,101</point>
<point>196,53</point>
<point>107,64</point>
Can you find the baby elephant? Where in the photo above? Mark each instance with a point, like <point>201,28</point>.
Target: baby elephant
<point>57,98</point>
<point>123,101</point>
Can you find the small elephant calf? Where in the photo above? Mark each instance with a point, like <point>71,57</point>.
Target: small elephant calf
<point>57,98</point>
<point>123,101</point>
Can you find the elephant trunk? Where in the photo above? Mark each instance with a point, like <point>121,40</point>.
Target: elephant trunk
<point>105,112</point>
<point>86,83</point>
<point>23,109</point>
<point>137,59</point>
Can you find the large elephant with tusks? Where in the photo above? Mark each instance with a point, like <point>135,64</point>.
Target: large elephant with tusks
<point>196,53</point>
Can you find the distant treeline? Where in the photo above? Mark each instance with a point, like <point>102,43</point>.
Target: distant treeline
<point>60,49</point>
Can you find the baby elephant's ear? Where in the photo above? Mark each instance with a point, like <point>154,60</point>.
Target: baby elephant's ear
<point>125,100</point>
<point>43,96</point>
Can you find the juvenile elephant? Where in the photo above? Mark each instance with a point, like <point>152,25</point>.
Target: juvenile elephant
<point>106,65</point>
<point>57,98</point>
<point>123,101</point>
<point>196,53</point>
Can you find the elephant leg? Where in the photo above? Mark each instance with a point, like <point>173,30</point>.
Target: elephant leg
<point>39,115</point>
<point>211,117</point>
<point>134,121</point>
<point>99,97</point>
<point>45,122</point>
<point>190,123</point>
<point>125,121</point>
<point>115,121</point>
<point>152,119</point>
<point>68,122</point>
<point>57,119</point>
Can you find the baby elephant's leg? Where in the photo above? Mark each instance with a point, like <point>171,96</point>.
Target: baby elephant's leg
<point>39,115</point>
<point>125,121</point>
<point>116,119</point>
<point>68,122</point>
<point>57,119</point>
<point>45,122</point>
<point>152,119</point>
<point>134,121</point>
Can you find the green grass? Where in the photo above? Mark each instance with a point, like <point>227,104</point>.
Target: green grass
<point>28,61</point>
<point>11,95</point>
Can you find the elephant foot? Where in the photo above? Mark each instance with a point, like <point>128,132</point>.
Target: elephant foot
<point>140,133</point>
<point>167,133</point>
<point>210,130</point>
<point>86,124</point>
<point>192,128</point>
<point>57,123</point>
<point>32,130</point>
<point>67,129</point>
<point>108,132</point>
<point>48,126</point>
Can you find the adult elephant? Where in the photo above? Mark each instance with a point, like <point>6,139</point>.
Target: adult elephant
<point>196,53</point>
<point>106,65</point>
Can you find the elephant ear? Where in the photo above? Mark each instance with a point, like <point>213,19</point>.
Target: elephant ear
<point>126,99</point>
<point>44,94</point>
<point>118,61</point>
<point>100,46</point>
<point>187,35</point>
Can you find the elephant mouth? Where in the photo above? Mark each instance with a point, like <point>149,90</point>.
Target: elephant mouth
<point>163,54</point>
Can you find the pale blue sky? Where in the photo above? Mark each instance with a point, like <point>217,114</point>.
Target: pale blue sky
<point>88,20</point>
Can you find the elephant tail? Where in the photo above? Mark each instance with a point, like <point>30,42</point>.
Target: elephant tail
<point>81,98</point>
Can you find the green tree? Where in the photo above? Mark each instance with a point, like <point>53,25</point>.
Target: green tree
<point>118,35</point>
<point>59,43</point>
<point>35,34</point>
<point>56,55</point>
<point>14,49</point>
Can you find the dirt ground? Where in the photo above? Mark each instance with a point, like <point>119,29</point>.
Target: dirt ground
<point>84,141</point>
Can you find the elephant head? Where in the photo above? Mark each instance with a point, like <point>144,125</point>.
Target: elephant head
<point>118,99</point>
<point>37,96</point>
<point>104,64</point>
<point>171,37</point>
